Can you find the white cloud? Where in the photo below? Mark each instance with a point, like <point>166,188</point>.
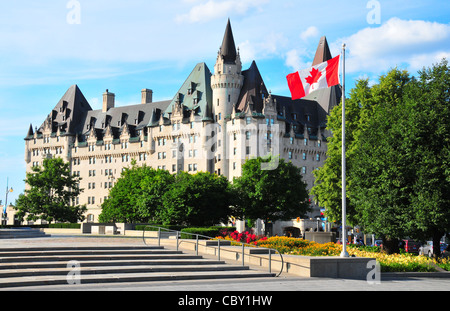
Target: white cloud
<point>310,32</point>
<point>214,9</point>
<point>417,62</point>
<point>397,42</point>
<point>247,51</point>
<point>269,45</point>
<point>294,59</point>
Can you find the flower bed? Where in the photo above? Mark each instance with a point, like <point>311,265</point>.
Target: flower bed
<point>402,262</point>
<point>243,237</point>
<point>389,263</point>
<point>293,246</point>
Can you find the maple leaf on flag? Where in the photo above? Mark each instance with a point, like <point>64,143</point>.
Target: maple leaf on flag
<point>315,76</point>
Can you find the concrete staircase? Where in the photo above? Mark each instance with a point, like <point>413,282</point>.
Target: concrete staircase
<point>23,233</point>
<point>25,267</point>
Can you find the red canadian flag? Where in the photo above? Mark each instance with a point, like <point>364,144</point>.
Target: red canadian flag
<point>321,76</point>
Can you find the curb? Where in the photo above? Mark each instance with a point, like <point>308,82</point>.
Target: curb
<point>405,275</point>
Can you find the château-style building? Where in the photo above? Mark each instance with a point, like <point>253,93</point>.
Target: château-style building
<point>214,123</point>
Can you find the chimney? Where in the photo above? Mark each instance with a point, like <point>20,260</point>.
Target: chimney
<point>108,100</point>
<point>147,96</point>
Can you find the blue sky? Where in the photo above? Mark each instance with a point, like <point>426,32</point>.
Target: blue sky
<point>125,46</point>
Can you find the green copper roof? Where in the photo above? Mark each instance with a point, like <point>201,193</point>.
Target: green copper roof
<point>195,94</point>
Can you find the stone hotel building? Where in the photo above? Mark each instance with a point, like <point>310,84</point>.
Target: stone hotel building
<point>214,123</point>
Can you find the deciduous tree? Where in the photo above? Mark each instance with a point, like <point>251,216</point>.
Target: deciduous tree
<point>51,193</point>
<point>278,194</point>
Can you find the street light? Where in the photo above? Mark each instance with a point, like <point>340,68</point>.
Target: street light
<point>8,190</point>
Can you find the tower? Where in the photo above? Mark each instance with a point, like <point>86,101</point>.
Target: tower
<point>226,84</point>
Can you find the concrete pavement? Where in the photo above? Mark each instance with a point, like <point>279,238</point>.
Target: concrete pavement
<point>280,284</point>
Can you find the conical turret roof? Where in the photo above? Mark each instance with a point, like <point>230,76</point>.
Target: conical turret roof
<point>323,53</point>
<point>228,49</point>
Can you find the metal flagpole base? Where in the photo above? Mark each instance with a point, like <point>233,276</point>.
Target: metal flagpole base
<point>344,254</point>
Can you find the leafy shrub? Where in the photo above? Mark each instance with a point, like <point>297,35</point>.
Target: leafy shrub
<point>209,232</point>
<point>154,227</point>
<point>65,226</point>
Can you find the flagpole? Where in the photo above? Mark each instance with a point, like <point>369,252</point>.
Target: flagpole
<point>344,196</point>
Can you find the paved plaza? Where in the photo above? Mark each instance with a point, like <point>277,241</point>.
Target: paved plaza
<point>284,283</point>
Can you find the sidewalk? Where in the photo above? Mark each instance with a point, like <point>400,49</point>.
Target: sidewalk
<point>397,282</point>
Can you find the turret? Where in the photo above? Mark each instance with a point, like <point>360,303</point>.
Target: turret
<point>227,80</point>
<point>226,84</point>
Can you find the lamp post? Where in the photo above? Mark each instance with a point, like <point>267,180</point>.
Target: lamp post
<point>8,190</point>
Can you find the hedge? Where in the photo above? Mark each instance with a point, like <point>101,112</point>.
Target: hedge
<point>209,232</point>
<point>65,226</point>
<point>155,227</point>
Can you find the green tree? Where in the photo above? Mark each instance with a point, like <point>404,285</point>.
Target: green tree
<point>202,199</point>
<point>380,176</point>
<point>399,178</point>
<point>277,194</point>
<point>328,179</point>
<point>136,196</point>
<point>51,191</point>
<point>429,121</point>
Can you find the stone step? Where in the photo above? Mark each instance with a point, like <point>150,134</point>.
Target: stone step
<point>166,255</point>
<point>65,253</point>
<point>21,233</point>
<point>129,278</point>
<point>41,266</point>
<point>101,263</point>
<point>51,271</point>
<point>82,248</point>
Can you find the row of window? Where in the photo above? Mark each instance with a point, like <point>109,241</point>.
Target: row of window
<point>305,142</point>
<point>58,150</point>
<point>107,185</point>
<point>92,173</point>
<point>91,201</point>
<point>46,139</point>
<point>304,156</point>
<point>109,146</point>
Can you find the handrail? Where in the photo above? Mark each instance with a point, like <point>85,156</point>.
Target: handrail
<point>218,245</point>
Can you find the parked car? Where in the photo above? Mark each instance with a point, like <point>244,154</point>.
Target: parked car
<point>410,246</point>
<point>427,248</point>
<point>378,242</point>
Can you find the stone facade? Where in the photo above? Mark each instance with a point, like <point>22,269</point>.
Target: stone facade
<point>214,123</point>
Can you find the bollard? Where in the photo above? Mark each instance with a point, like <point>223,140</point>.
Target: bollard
<point>270,260</point>
<point>218,249</point>
<point>159,236</point>
<point>196,246</point>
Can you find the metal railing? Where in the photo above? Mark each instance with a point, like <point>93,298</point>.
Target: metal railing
<point>197,236</point>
